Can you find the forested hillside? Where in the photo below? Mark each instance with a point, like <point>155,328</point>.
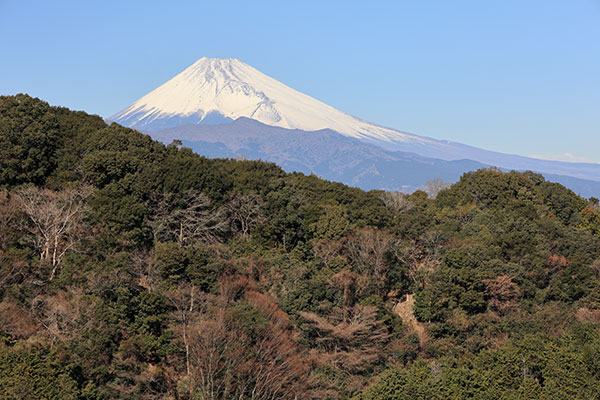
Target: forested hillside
<point>134,270</point>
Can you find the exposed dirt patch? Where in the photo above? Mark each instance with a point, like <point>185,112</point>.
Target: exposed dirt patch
<point>405,310</point>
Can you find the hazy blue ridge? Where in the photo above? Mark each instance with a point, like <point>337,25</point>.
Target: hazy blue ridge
<point>336,157</point>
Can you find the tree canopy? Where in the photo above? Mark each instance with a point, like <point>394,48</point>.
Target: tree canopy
<point>132,269</point>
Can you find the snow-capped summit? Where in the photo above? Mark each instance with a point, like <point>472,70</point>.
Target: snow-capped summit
<point>215,89</point>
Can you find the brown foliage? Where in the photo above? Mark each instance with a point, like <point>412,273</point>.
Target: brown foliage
<point>503,294</point>
<point>351,344</point>
<point>346,282</point>
<point>232,287</point>
<point>588,315</point>
<point>227,363</point>
<point>64,315</point>
<point>11,270</point>
<point>326,250</point>
<point>269,309</point>
<point>556,263</point>
<point>16,322</point>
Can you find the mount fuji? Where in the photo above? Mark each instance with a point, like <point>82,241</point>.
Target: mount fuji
<point>227,89</point>
<point>213,93</point>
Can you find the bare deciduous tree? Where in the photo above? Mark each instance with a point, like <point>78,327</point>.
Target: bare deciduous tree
<point>346,281</point>
<point>215,354</point>
<point>434,186</point>
<point>186,218</point>
<point>226,363</point>
<point>55,220</point>
<point>350,344</point>
<point>326,250</point>
<point>277,370</point>
<point>184,299</point>
<point>596,268</point>
<point>244,212</point>
<point>63,315</point>
<point>397,201</point>
<point>369,249</point>
<point>145,270</point>
<point>421,257</point>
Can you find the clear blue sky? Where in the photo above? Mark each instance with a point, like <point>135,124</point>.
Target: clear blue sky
<point>518,76</point>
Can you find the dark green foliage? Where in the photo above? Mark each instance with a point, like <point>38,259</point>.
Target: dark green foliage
<point>36,372</point>
<point>29,137</point>
<point>533,368</point>
<point>248,320</point>
<point>172,260</point>
<point>458,284</point>
<point>194,264</point>
<point>503,268</point>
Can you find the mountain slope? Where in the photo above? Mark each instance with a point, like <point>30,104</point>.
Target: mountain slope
<point>217,91</point>
<point>332,156</point>
<point>231,89</point>
<point>325,153</point>
<point>171,258</point>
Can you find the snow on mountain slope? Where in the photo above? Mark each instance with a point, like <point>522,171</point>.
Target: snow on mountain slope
<point>215,91</point>
<point>232,89</point>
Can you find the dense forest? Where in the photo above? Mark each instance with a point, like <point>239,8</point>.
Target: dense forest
<point>134,270</point>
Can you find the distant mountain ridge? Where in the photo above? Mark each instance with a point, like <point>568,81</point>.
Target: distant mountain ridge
<point>216,92</point>
<point>331,156</point>
<point>325,153</point>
